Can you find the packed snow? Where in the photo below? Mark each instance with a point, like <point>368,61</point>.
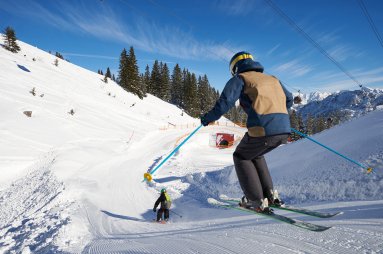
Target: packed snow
<point>73,183</point>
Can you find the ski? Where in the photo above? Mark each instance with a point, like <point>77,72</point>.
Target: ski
<point>287,208</point>
<point>277,217</point>
<point>160,222</point>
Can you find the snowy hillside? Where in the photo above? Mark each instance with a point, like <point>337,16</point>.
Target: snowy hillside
<point>73,183</point>
<point>347,104</point>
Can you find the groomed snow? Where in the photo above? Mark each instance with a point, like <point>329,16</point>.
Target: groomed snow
<point>73,183</point>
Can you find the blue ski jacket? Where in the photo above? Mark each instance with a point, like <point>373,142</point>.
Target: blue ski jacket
<point>264,99</point>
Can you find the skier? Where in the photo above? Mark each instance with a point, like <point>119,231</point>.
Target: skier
<point>166,202</point>
<point>266,102</point>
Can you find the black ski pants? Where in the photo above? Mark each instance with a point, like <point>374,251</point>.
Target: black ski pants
<point>162,211</point>
<point>250,165</point>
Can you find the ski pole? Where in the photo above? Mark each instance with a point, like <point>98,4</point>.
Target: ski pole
<point>148,175</point>
<point>175,213</point>
<point>368,169</point>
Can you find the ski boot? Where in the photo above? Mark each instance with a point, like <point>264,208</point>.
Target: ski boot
<point>261,206</point>
<point>275,200</point>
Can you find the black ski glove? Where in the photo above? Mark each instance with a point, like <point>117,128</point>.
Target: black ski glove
<point>204,122</point>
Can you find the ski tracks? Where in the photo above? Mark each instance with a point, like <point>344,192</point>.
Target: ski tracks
<point>31,211</point>
<point>242,235</point>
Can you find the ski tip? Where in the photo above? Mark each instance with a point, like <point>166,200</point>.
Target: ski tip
<point>338,213</point>
<point>323,229</point>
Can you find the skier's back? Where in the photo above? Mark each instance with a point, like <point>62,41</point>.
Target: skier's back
<point>165,201</point>
<point>266,102</point>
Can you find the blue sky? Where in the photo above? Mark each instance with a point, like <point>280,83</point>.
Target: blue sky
<point>203,35</point>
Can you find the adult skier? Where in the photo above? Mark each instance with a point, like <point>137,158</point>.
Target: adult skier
<point>265,101</point>
<point>165,201</point>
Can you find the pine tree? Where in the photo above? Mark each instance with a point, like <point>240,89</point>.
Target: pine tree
<point>10,40</point>
<point>310,125</point>
<point>165,84</point>
<point>294,121</point>
<point>176,86</point>
<point>122,71</point>
<point>191,105</point>
<point>184,88</point>
<point>155,79</point>
<point>143,84</point>
<point>58,55</point>
<point>146,80</point>
<point>133,75</point>
<point>195,103</point>
<point>108,74</point>
<point>320,124</point>
<point>301,126</point>
<point>204,95</point>
<point>336,116</point>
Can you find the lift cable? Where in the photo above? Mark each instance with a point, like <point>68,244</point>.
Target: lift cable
<point>370,21</point>
<point>311,40</point>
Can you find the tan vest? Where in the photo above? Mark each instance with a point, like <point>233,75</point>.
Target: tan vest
<point>266,94</point>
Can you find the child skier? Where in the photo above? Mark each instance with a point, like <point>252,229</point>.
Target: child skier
<point>166,202</point>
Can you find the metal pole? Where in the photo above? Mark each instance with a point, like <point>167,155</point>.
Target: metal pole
<point>369,169</point>
<point>173,152</point>
<point>175,213</point>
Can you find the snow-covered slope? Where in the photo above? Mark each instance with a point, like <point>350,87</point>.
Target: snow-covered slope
<point>102,111</point>
<point>106,122</point>
<point>73,183</point>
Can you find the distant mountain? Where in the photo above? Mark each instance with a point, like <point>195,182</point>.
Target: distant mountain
<point>345,104</point>
<point>313,96</point>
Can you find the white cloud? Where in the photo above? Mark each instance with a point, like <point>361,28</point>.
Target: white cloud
<point>102,22</point>
<point>328,38</point>
<point>235,8</point>
<point>341,52</point>
<point>89,56</point>
<point>293,68</point>
<point>273,49</point>
<point>339,81</point>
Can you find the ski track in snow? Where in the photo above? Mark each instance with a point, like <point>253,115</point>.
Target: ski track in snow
<point>32,212</point>
<point>245,235</point>
<point>226,231</point>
